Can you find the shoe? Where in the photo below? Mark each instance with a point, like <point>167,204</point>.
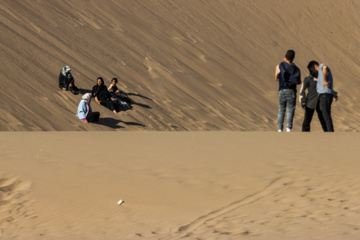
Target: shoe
<point>279,130</point>
<point>288,130</point>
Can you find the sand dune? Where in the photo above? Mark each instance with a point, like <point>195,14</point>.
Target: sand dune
<point>198,156</point>
<point>200,66</point>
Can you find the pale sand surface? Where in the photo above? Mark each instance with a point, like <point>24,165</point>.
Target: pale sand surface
<point>197,185</point>
<point>190,66</point>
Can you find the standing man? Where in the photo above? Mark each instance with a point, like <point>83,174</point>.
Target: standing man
<point>325,90</point>
<point>288,76</point>
<point>309,101</point>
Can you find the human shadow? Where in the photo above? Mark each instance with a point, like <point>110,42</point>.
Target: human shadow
<point>139,95</point>
<point>113,123</point>
<point>83,91</point>
<point>131,101</point>
<point>141,105</point>
<point>110,122</point>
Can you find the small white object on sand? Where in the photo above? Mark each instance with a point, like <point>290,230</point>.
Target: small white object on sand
<point>120,202</point>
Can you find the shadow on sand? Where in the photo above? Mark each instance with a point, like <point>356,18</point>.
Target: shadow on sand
<point>136,103</point>
<point>113,123</point>
<point>83,91</point>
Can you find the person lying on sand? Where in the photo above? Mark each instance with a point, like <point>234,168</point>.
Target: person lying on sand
<point>66,80</point>
<point>84,110</point>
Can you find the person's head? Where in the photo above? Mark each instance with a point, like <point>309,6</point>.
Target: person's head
<point>313,67</point>
<point>114,81</point>
<point>66,70</point>
<point>87,97</point>
<point>100,81</point>
<point>290,55</point>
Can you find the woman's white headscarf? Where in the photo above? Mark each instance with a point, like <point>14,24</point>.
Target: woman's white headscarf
<point>65,70</point>
<point>86,97</point>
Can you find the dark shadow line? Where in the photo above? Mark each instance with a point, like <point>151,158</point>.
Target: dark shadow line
<point>113,123</point>
<point>138,95</point>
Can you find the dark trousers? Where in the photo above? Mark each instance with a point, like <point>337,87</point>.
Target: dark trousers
<point>308,117</point>
<point>109,104</point>
<point>93,117</point>
<point>325,101</point>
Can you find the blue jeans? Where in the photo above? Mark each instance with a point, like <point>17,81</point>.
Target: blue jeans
<point>287,102</point>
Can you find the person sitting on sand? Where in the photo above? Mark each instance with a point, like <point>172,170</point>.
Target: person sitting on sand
<point>84,110</point>
<point>122,104</point>
<point>120,94</point>
<point>102,95</point>
<point>66,80</point>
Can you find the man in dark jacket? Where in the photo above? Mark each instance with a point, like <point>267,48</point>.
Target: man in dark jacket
<point>66,80</point>
<point>310,100</point>
<point>288,76</point>
<point>102,95</point>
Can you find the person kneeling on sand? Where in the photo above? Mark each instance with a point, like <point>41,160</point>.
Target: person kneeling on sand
<point>103,97</point>
<point>84,110</point>
<point>66,80</point>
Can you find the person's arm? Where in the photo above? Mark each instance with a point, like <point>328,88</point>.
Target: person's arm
<point>336,96</point>
<point>302,93</point>
<point>109,88</point>
<point>82,111</point>
<point>108,96</point>
<point>277,71</point>
<point>95,93</point>
<point>70,78</point>
<point>325,82</point>
<point>61,83</point>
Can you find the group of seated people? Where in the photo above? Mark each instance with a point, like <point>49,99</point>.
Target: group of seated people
<point>110,97</point>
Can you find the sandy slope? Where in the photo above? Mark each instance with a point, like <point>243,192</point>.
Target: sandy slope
<point>204,65</point>
<point>197,185</point>
<point>189,66</point>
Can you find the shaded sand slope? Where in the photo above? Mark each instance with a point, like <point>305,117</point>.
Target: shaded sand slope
<point>193,185</point>
<point>190,65</point>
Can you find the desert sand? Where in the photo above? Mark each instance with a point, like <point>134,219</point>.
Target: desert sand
<point>198,157</point>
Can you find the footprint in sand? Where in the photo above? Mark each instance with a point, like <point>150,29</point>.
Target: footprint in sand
<point>12,199</point>
<point>293,206</point>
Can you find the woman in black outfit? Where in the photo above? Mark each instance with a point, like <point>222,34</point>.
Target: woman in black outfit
<point>102,95</point>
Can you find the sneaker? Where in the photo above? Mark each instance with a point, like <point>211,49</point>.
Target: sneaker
<point>279,130</point>
<point>288,130</point>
